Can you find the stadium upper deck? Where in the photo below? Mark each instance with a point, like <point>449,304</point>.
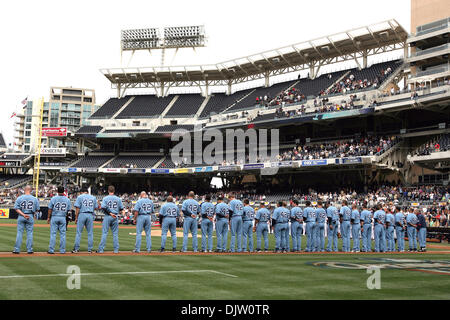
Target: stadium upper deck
<point>312,55</point>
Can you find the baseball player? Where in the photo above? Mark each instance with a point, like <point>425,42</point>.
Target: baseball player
<point>280,220</point>
<point>222,215</point>
<point>400,227</point>
<point>355,220</point>
<point>85,206</point>
<point>58,208</point>
<point>236,212</point>
<point>142,218</point>
<point>412,221</point>
<point>333,223</point>
<point>168,219</point>
<point>190,209</point>
<point>247,226</point>
<point>321,217</point>
<point>421,231</point>
<point>380,232</point>
<point>296,226</point>
<point>345,217</point>
<point>111,205</point>
<point>309,214</point>
<point>390,226</point>
<point>366,220</point>
<point>261,227</point>
<point>26,206</point>
<point>207,212</point>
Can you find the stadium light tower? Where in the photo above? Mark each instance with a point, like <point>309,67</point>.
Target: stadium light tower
<point>166,38</point>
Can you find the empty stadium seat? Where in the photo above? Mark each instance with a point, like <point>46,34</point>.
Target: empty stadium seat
<point>109,108</point>
<point>134,162</point>
<point>91,162</point>
<point>186,105</point>
<point>145,106</point>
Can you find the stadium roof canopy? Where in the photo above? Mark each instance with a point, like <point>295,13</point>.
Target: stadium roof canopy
<point>349,45</point>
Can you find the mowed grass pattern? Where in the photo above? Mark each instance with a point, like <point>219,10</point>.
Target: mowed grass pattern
<point>259,276</point>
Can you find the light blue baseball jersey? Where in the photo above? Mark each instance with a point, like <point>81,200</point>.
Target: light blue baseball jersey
<point>309,214</point>
<point>60,205</point>
<point>113,203</point>
<point>356,216</point>
<point>144,206</point>
<point>296,214</point>
<point>331,211</point>
<point>190,207</point>
<point>249,214</point>
<point>366,216</point>
<point>222,210</point>
<point>379,216</point>
<point>400,219</point>
<point>390,218</point>
<point>321,215</point>
<point>86,203</point>
<point>237,207</point>
<point>345,213</point>
<point>263,215</point>
<point>169,210</point>
<point>412,218</point>
<point>27,204</point>
<point>207,209</point>
<point>281,215</point>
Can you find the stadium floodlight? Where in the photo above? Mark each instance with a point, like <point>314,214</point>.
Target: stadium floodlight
<point>140,39</point>
<point>167,38</point>
<point>184,37</point>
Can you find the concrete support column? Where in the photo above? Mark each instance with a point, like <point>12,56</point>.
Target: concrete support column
<point>162,90</point>
<point>229,87</point>
<point>365,59</point>
<point>312,73</point>
<point>266,79</point>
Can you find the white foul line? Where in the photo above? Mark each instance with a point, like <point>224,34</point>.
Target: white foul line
<point>114,273</point>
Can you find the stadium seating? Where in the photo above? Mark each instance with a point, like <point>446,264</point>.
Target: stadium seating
<point>2,141</point>
<point>13,180</point>
<point>110,108</point>
<point>171,128</point>
<point>145,106</point>
<point>167,163</point>
<point>437,144</point>
<point>127,131</point>
<point>310,87</point>
<point>91,162</point>
<point>220,101</point>
<point>89,129</point>
<point>134,162</point>
<point>186,105</point>
<point>271,92</point>
<point>364,79</point>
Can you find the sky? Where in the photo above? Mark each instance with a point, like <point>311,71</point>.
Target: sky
<point>57,43</point>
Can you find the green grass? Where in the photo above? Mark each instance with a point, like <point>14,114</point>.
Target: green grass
<point>258,276</point>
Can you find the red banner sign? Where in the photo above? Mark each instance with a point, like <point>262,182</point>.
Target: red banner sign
<point>54,132</point>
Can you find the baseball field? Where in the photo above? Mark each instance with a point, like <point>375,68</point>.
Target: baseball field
<point>213,276</point>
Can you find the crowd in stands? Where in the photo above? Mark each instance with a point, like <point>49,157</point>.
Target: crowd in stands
<point>285,97</point>
<point>350,83</point>
<point>364,146</point>
<point>438,144</point>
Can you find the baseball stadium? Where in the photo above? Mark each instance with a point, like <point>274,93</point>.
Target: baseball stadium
<point>315,170</point>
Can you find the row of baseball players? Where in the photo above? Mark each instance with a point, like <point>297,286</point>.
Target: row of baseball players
<point>238,216</point>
